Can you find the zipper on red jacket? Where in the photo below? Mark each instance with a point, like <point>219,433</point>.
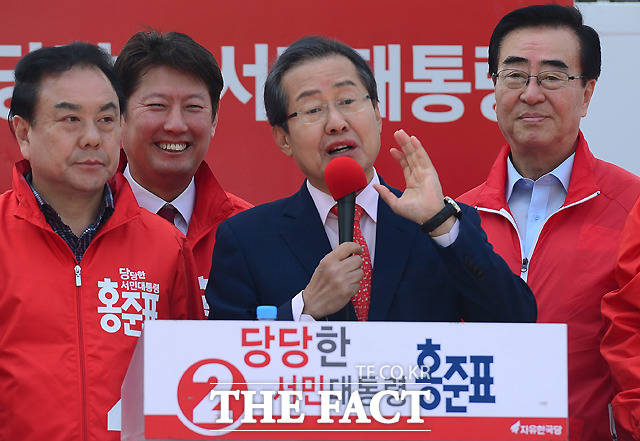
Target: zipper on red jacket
<point>564,207</point>
<point>78,281</point>
<point>525,265</point>
<point>77,270</point>
<point>527,259</point>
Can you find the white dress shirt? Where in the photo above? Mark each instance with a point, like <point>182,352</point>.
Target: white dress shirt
<point>368,200</point>
<point>184,203</point>
<point>532,202</point>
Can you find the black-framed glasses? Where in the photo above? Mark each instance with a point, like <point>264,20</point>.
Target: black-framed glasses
<point>550,80</point>
<point>316,112</point>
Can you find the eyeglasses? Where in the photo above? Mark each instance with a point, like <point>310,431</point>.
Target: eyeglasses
<point>550,80</point>
<point>313,113</point>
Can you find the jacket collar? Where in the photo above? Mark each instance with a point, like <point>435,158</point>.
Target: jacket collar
<point>304,234</point>
<point>581,184</point>
<point>125,206</point>
<point>27,207</point>
<point>212,204</point>
<point>303,230</point>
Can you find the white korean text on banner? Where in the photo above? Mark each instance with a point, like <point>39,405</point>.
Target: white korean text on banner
<point>429,60</point>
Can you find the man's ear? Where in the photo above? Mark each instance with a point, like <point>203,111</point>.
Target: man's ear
<point>214,124</point>
<point>21,129</point>
<point>588,93</point>
<point>378,119</point>
<point>282,139</point>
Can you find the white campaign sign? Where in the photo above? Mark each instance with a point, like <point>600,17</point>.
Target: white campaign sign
<point>282,380</point>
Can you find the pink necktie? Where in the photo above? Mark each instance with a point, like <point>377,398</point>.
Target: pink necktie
<point>167,212</point>
<point>362,299</point>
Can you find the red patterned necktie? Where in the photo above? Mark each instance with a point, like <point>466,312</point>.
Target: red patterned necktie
<point>168,213</point>
<point>362,299</point>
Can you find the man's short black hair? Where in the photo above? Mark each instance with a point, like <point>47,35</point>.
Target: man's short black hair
<point>300,51</point>
<point>554,16</point>
<point>149,49</point>
<point>36,65</point>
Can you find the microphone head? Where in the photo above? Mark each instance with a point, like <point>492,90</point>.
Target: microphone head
<point>343,176</point>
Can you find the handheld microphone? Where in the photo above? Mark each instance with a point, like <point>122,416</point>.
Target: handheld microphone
<point>344,178</point>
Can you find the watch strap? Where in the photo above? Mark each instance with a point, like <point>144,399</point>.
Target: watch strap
<point>450,209</point>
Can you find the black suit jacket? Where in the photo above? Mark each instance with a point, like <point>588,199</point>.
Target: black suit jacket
<point>266,255</point>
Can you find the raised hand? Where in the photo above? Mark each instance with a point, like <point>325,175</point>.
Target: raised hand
<point>422,198</point>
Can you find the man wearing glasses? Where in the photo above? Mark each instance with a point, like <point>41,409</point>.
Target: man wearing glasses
<point>417,257</point>
<point>552,210</point>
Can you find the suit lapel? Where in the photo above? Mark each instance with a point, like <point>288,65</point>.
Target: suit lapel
<point>394,240</point>
<point>304,234</point>
<point>303,231</point>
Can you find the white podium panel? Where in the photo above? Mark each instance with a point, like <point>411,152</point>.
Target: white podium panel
<point>249,380</point>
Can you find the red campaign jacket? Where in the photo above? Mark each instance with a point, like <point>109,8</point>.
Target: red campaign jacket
<point>213,205</point>
<point>570,268</point>
<point>621,342</point>
<point>67,330</point>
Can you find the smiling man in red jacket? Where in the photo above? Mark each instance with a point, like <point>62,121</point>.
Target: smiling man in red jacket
<point>173,85</point>
<point>82,265</point>
<point>550,209</point>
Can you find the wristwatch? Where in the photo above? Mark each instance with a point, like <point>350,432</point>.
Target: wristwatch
<point>450,209</point>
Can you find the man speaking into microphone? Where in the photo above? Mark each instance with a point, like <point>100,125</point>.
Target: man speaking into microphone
<point>415,255</point>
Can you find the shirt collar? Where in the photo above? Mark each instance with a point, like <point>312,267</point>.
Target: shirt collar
<point>184,203</point>
<point>105,210</point>
<point>107,204</point>
<point>367,199</point>
<point>561,172</point>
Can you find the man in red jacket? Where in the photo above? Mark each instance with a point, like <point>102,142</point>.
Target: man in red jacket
<point>621,341</point>
<point>172,86</point>
<point>82,265</point>
<point>552,210</point>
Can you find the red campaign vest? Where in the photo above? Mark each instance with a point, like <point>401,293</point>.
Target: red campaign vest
<point>213,205</point>
<point>620,344</point>
<point>570,269</point>
<point>68,330</point>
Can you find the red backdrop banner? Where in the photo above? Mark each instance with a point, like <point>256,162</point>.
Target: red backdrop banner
<point>429,58</point>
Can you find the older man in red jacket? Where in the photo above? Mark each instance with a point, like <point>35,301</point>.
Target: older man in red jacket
<point>82,265</point>
<point>550,209</point>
